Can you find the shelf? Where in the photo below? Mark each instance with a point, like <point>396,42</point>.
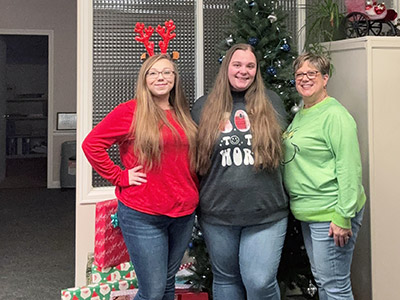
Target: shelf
<point>32,155</point>
<point>27,100</point>
<point>26,132</point>
<point>33,136</point>
<point>26,118</point>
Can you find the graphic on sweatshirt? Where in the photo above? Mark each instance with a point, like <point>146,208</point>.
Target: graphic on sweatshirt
<point>226,127</point>
<point>235,142</point>
<point>287,136</point>
<point>242,121</point>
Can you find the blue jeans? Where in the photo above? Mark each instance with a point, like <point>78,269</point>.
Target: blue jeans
<point>156,245</point>
<point>245,259</point>
<point>330,264</point>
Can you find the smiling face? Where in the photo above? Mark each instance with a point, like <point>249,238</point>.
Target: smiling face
<point>160,85</point>
<point>242,70</point>
<point>312,90</point>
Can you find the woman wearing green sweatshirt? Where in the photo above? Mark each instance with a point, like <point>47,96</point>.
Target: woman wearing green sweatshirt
<point>322,173</point>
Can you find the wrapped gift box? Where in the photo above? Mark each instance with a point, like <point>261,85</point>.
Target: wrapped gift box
<point>110,249</point>
<point>122,271</point>
<point>99,291</point>
<point>124,295</point>
<point>190,295</point>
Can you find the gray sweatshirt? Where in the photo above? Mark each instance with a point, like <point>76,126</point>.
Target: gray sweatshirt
<point>233,192</point>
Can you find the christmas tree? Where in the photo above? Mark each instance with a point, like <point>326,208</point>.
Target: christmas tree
<point>201,269</point>
<point>260,23</point>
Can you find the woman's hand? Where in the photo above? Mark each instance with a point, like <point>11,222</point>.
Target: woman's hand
<point>135,177</point>
<point>340,235</point>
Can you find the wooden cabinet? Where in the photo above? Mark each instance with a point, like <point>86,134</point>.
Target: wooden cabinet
<point>366,81</point>
<point>26,127</point>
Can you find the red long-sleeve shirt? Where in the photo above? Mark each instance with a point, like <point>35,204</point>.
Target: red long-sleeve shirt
<point>171,188</point>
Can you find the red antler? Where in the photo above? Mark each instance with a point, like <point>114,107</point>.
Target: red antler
<point>145,34</point>
<point>166,35</point>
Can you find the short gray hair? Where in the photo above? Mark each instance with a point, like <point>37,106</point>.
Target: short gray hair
<point>320,62</point>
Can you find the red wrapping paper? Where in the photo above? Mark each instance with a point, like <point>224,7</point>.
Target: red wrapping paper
<point>109,249</point>
<point>190,295</point>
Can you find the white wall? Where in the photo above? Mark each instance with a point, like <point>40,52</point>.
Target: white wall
<point>58,16</point>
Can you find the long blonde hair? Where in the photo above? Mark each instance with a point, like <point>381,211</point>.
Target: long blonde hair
<point>266,131</point>
<point>149,118</point>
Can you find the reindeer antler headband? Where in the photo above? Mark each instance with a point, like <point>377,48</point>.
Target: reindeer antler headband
<point>164,31</point>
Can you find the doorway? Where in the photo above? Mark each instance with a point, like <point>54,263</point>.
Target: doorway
<point>24,101</point>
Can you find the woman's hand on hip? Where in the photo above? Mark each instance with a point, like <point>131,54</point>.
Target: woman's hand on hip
<point>136,177</point>
<point>340,235</point>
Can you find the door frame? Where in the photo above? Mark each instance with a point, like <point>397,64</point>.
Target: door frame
<point>50,91</point>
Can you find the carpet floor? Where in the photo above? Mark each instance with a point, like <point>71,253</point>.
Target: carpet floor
<point>37,242</point>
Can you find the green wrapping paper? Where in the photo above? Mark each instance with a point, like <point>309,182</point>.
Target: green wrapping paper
<point>98,291</point>
<point>122,271</point>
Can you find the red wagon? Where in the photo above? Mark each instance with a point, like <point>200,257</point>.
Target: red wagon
<point>369,18</point>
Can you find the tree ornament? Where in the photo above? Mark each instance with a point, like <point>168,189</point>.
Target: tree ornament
<point>272,18</point>
<point>285,46</point>
<point>252,3</point>
<point>295,109</point>
<point>221,58</point>
<point>229,40</point>
<point>253,41</point>
<point>292,82</point>
<point>312,289</point>
<point>271,70</point>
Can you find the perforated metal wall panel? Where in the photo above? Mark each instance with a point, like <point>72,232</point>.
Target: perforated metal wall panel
<point>290,8</point>
<point>116,54</point>
<point>215,22</point>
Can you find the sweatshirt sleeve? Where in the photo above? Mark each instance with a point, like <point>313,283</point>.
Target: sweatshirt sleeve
<point>342,138</point>
<point>277,103</point>
<point>197,109</point>
<point>113,129</point>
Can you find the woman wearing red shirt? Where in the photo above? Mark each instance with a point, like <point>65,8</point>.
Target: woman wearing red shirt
<point>157,188</point>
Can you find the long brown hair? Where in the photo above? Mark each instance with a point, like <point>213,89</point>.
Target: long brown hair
<point>266,131</point>
<point>149,118</point>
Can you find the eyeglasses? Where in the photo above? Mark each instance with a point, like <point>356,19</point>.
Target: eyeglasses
<point>166,73</point>
<point>310,75</point>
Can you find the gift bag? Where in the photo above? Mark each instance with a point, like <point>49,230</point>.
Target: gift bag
<point>110,249</point>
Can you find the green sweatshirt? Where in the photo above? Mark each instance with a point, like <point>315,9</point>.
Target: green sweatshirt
<point>322,165</point>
